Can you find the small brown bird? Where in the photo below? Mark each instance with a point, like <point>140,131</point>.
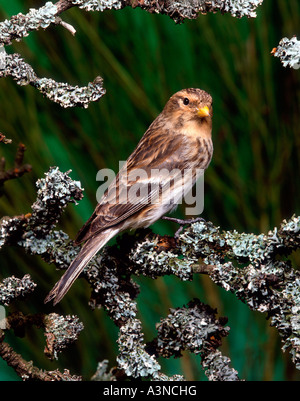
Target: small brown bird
<point>151,183</point>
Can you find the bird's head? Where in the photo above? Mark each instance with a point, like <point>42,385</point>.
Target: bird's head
<point>189,109</point>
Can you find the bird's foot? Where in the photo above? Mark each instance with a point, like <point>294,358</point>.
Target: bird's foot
<point>182,223</point>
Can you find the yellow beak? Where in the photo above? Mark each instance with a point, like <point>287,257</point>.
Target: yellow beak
<point>203,112</point>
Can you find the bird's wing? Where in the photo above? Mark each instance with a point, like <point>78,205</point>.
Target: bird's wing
<point>134,187</point>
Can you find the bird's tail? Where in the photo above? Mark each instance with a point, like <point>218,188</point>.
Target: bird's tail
<point>89,249</point>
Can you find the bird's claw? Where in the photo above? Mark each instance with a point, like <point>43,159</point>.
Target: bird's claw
<point>182,223</point>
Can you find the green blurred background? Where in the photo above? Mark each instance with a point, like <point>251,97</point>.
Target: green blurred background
<point>251,184</point>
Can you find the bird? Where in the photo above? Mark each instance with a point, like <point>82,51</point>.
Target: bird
<point>178,140</point>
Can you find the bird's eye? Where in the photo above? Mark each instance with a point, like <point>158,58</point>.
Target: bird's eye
<point>186,101</point>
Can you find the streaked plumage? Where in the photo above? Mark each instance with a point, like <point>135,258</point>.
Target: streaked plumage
<point>178,139</point>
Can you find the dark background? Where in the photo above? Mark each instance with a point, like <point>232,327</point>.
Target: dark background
<point>251,185</point>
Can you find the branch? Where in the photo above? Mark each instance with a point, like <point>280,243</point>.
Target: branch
<point>195,328</point>
<point>179,10</point>
<point>58,92</point>
<point>19,168</point>
<point>34,231</point>
<point>246,264</point>
<point>20,25</point>
<point>13,287</point>
<point>60,331</point>
<point>26,370</point>
<point>266,284</point>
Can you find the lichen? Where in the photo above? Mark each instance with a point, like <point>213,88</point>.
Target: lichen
<point>196,328</point>
<point>217,367</point>
<point>151,263</point>
<point>266,284</point>
<point>101,373</point>
<point>132,357</point>
<point>241,8</point>
<point>55,192</point>
<point>20,25</point>
<point>98,5</point>
<point>35,232</point>
<point>70,96</point>
<point>13,287</point>
<point>179,10</point>
<point>60,331</point>
<point>188,328</point>
<point>288,51</point>
<point>62,93</point>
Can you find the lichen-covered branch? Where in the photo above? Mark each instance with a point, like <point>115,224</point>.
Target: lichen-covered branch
<point>3,139</point>
<point>288,51</point>
<point>26,370</point>
<point>20,26</point>
<point>60,331</point>
<point>13,287</point>
<point>34,231</point>
<point>267,284</point>
<point>195,328</point>
<point>58,92</point>
<point>178,10</point>
<point>112,285</point>
<point>101,373</point>
<point>246,264</point>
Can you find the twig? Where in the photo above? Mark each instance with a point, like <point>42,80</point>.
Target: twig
<point>26,370</point>
<point>19,168</point>
<point>59,92</point>
<point>69,27</point>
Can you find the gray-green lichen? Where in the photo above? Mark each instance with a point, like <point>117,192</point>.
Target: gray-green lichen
<point>70,96</point>
<point>266,284</point>
<point>203,238</point>
<point>107,289</point>
<point>190,9</point>
<point>55,192</point>
<point>151,263</point>
<point>34,232</point>
<point>98,5</point>
<point>101,373</point>
<point>65,95</point>
<point>20,25</point>
<point>288,51</point>
<point>116,295</point>
<point>217,367</point>
<point>60,331</point>
<point>12,65</point>
<point>132,357</point>
<point>241,8</point>
<point>13,287</point>
<point>175,378</point>
<point>195,328</point>
<point>246,264</point>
